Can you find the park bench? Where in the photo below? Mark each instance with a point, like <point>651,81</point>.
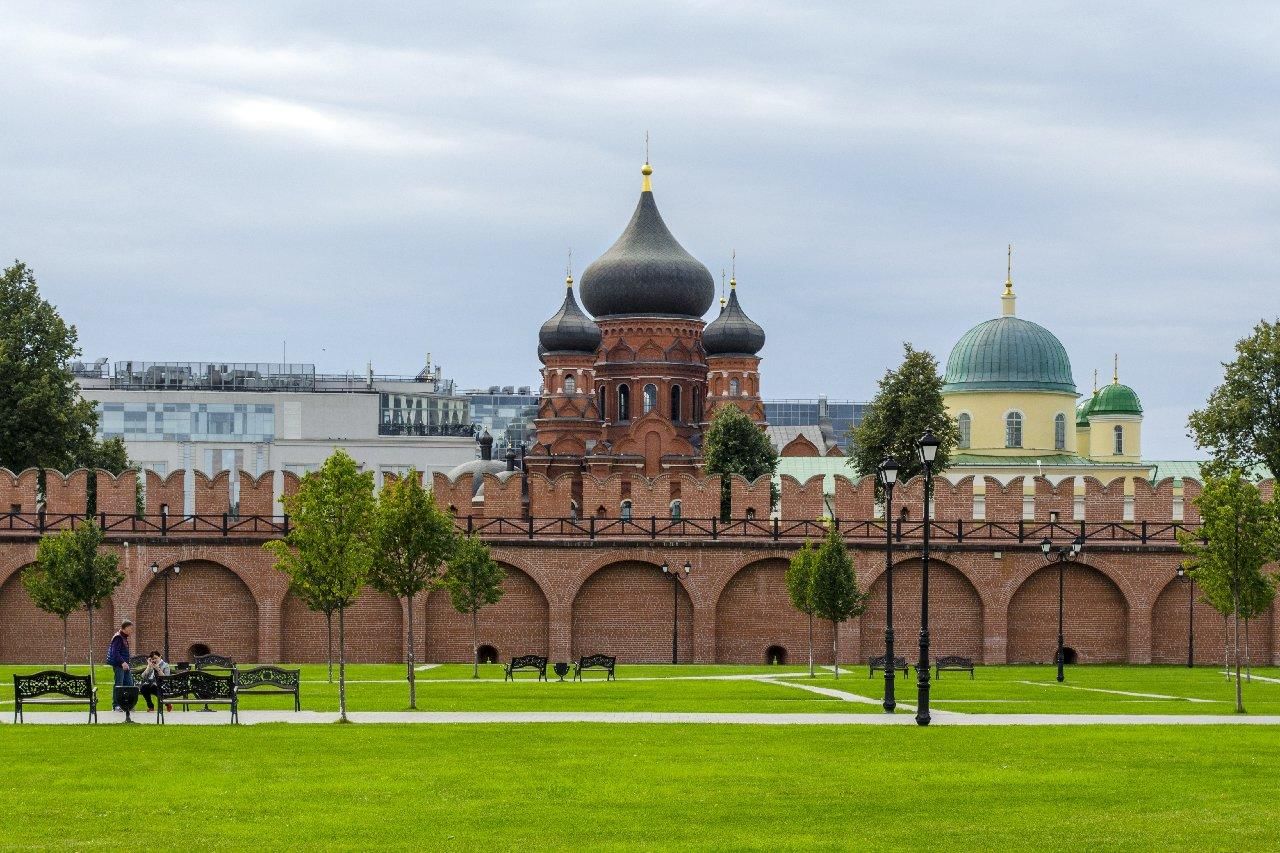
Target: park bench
<point>953,663</point>
<point>877,664</point>
<point>605,662</point>
<point>207,687</point>
<point>270,681</point>
<point>75,690</point>
<point>213,662</point>
<point>537,662</point>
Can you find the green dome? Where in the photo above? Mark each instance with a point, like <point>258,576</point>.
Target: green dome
<point>1009,354</point>
<point>1116,399</point>
<point>1083,410</point>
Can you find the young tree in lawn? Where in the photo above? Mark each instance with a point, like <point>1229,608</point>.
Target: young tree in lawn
<point>735,444</point>
<point>1256,598</point>
<point>329,549</point>
<point>1240,423</point>
<point>800,587</point>
<point>836,596</point>
<point>473,580</point>
<point>908,404</point>
<point>1239,533</point>
<point>412,538</point>
<point>72,562</point>
<point>46,582</point>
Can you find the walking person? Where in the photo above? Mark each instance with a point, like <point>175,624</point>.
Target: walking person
<point>118,657</point>
<point>156,665</point>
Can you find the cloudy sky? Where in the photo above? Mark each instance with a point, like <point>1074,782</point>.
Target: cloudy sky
<point>375,181</point>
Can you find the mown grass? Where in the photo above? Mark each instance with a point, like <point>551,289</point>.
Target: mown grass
<point>616,787</point>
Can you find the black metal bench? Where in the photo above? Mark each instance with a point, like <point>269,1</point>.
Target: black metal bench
<point>213,662</point>
<point>537,662</point>
<point>270,681</point>
<point>207,687</point>
<point>605,662</point>
<point>953,663</point>
<point>876,664</point>
<point>75,690</point>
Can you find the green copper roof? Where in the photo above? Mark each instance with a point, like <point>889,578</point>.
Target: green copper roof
<point>1083,410</point>
<point>1009,354</point>
<point>1116,399</point>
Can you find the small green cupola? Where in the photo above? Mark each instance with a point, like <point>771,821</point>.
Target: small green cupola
<point>1114,399</point>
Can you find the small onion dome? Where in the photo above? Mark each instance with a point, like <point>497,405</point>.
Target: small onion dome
<point>542,353</point>
<point>733,332</point>
<point>647,272</point>
<point>569,330</point>
<point>1116,399</point>
<point>1084,409</point>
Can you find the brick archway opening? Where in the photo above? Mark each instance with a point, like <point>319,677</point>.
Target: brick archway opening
<point>624,610</point>
<point>754,613</point>
<point>210,607</point>
<point>776,656</point>
<point>486,654</point>
<point>516,625</point>
<point>1095,617</point>
<point>1171,623</point>
<point>955,612</point>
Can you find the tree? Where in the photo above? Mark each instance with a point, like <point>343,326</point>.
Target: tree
<point>1239,533</point>
<point>836,596</point>
<point>412,538</point>
<point>1240,423</point>
<point>44,423</point>
<point>45,582</point>
<point>735,444</point>
<point>800,587</point>
<point>908,404</point>
<point>473,580</point>
<point>73,566</point>
<point>328,551</point>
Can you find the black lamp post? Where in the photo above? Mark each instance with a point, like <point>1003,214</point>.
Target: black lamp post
<point>928,448</point>
<point>888,477</point>
<point>171,570</point>
<point>674,574</point>
<point>1184,575</point>
<point>1061,555</point>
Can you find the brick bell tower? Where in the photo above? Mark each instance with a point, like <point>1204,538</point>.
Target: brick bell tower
<point>648,372</point>
<point>732,342</point>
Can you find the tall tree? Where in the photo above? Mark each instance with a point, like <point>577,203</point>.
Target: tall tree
<point>412,538</point>
<point>474,580</point>
<point>1240,423</point>
<point>44,423</point>
<point>836,596</point>
<point>73,563</point>
<point>735,444</point>
<point>329,549</point>
<point>46,582</point>
<point>800,587</point>
<point>1239,533</point>
<point>908,404</point>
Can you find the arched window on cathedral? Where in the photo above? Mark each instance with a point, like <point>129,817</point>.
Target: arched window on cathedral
<point>624,403</point>
<point>697,404</point>
<point>650,398</point>
<point>965,425</point>
<point>733,387</point>
<point>570,385</point>
<point>1119,433</point>
<point>1060,431</point>
<point>1013,429</point>
<point>600,400</point>
<point>675,403</point>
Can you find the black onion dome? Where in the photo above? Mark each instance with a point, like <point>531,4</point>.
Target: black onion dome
<point>569,330</point>
<point>647,272</point>
<point>733,332</point>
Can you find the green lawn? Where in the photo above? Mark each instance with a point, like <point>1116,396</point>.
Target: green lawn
<point>614,787</point>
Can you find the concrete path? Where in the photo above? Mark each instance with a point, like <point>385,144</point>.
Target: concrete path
<point>1056,685</point>
<point>631,717</point>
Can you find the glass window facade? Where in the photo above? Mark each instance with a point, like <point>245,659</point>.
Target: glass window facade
<point>247,422</point>
<point>423,414</point>
<point>507,417</point>
<point>844,415</point>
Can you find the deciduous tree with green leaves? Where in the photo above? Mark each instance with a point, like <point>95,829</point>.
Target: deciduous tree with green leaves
<point>474,580</point>
<point>412,539</point>
<point>735,444</point>
<point>836,596</point>
<point>908,404</point>
<point>800,587</point>
<point>328,551</point>
<point>46,587</point>
<point>76,568</point>
<point>1240,423</point>
<point>1239,534</point>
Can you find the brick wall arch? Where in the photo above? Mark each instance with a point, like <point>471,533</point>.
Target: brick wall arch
<point>374,629</point>
<point>1169,630</point>
<point>517,625</point>
<point>955,612</point>
<point>624,609</point>
<point>1096,616</point>
<point>29,635</point>
<point>754,612</point>
<point>209,604</point>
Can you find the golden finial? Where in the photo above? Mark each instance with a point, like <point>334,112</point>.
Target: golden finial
<point>1007,299</point>
<point>733,270</point>
<point>568,270</point>
<point>646,186</point>
<point>1008,279</point>
<point>1095,380</point>
<point>1115,370</point>
<point>723,301</point>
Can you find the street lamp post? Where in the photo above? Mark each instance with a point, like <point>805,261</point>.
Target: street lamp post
<point>674,574</point>
<point>171,570</point>
<point>1061,556</point>
<point>928,449</point>
<point>1184,575</point>
<point>888,477</point>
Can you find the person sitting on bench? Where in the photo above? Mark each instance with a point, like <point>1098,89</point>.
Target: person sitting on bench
<point>156,665</point>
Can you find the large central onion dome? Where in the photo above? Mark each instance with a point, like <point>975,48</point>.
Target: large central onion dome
<point>733,332</point>
<point>568,330</point>
<point>647,272</point>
